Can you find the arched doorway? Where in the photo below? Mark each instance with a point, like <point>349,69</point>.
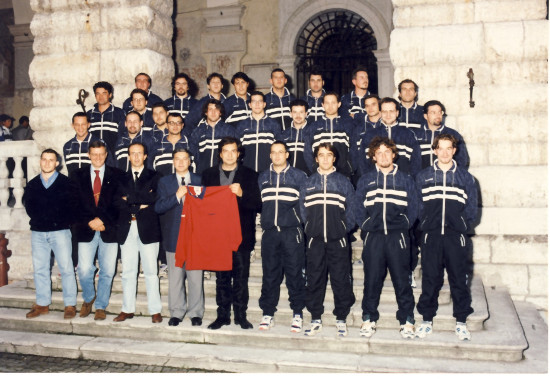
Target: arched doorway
<point>335,43</point>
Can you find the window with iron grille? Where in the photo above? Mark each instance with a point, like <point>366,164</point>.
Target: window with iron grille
<point>335,43</point>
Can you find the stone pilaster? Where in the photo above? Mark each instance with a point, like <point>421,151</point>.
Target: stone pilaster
<point>435,43</point>
<point>223,42</point>
<point>77,43</point>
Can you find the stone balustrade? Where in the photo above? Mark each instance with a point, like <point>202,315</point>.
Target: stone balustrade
<point>17,150</point>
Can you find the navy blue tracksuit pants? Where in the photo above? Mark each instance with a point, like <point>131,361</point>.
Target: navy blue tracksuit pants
<point>323,259</point>
<point>439,252</point>
<point>383,252</point>
<point>283,254</point>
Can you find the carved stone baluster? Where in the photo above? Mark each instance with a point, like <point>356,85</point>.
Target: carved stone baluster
<point>18,182</point>
<point>4,190</point>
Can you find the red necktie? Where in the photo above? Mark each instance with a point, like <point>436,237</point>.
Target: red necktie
<point>97,187</point>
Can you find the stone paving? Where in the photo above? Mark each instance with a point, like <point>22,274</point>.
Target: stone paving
<point>24,363</point>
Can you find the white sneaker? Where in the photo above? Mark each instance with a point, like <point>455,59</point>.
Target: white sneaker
<point>297,322</point>
<point>407,330</point>
<point>424,329</point>
<point>368,328</point>
<point>341,328</point>
<point>316,327</point>
<point>462,332</point>
<point>266,323</point>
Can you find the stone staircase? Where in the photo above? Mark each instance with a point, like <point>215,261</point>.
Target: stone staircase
<point>506,336</point>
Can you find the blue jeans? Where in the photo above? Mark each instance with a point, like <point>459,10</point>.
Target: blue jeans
<point>106,256</point>
<point>131,251</point>
<point>42,244</point>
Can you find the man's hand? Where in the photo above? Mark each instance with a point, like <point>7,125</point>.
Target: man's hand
<point>236,189</point>
<point>181,192</point>
<point>143,206</point>
<point>97,225</point>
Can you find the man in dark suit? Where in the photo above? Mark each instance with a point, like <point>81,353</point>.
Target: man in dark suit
<point>96,228</point>
<point>171,197</point>
<point>243,182</point>
<point>138,233</point>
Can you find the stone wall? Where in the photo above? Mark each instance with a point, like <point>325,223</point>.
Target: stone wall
<point>505,43</point>
<point>78,43</point>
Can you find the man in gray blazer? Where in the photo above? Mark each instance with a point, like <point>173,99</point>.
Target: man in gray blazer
<point>171,196</point>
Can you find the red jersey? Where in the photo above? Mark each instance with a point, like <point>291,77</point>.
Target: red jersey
<point>210,229</point>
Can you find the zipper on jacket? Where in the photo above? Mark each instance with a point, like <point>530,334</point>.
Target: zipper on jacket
<point>443,207</point>
<point>295,146</point>
<point>277,201</point>
<point>325,207</point>
<point>258,141</point>
<point>384,206</point>
<point>211,147</point>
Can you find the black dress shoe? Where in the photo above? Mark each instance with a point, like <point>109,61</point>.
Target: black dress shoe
<point>243,322</point>
<point>174,321</point>
<point>219,322</point>
<point>196,321</point>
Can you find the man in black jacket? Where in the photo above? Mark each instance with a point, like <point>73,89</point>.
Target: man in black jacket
<point>243,182</point>
<point>138,233</point>
<point>49,200</point>
<point>96,228</point>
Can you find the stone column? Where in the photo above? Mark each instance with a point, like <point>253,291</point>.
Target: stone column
<point>435,44</point>
<point>79,43</point>
<point>385,72</point>
<point>223,42</point>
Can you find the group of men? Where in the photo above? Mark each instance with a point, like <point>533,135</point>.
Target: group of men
<point>314,167</point>
<point>21,132</point>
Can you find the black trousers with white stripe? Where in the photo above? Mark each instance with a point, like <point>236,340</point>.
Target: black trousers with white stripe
<point>328,258</point>
<point>383,253</point>
<point>283,254</point>
<point>445,251</point>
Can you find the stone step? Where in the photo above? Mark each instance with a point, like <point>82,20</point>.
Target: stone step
<point>18,295</point>
<point>255,287</point>
<point>489,344</point>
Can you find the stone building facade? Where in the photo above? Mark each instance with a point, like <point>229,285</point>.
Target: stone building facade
<point>434,42</point>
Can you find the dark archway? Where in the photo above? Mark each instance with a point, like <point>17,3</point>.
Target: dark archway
<point>335,43</point>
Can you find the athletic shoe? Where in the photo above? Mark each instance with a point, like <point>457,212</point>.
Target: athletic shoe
<point>267,323</point>
<point>368,328</point>
<point>341,328</point>
<point>297,322</point>
<point>462,332</point>
<point>315,327</point>
<point>407,330</point>
<point>424,329</point>
<point>163,270</point>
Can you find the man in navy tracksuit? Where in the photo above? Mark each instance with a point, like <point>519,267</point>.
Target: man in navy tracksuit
<point>361,124</point>
<point>294,137</point>
<point>237,107</point>
<point>283,250</point>
<point>278,99</point>
<point>182,102</point>
<point>447,211</point>
<point>206,136</point>
<point>314,97</point>
<point>214,82</point>
<point>257,132</point>
<point>354,102</point>
<point>333,129</point>
<point>133,133</point>
<point>325,205</point>
<point>106,120</point>
<point>410,112</point>
<point>75,150</point>
<point>386,206</point>
<point>433,125</point>
<point>408,158</point>
<point>143,82</point>
<point>162,159</point>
